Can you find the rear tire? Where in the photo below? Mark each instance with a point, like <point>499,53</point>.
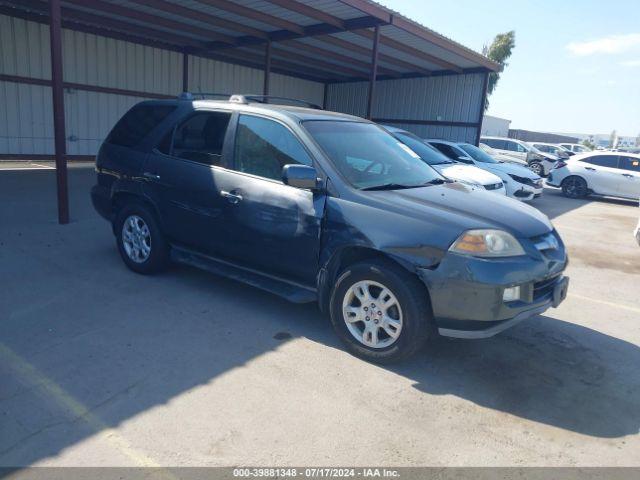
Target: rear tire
<point>574,187</point>
<point>380,311</point>
<point>141,243</point>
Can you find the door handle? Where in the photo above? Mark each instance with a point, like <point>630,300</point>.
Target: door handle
<point>151,176</point>
<point>231,197</point>
<point>589,168</point>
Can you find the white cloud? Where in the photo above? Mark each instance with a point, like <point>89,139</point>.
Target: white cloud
<point>631,63</point>
<point>610,44</point>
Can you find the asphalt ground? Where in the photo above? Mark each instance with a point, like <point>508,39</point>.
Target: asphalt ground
<point>103,367</point>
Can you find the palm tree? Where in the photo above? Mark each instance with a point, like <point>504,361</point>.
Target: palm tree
<point>499,51</point>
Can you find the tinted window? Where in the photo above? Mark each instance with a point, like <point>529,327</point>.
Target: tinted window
<point>264,147</point>
<point>137,123</point>
<point>493,143</point>
<point>368,156</point>
<point>514,147</point>
<point>199,138</point>
<point>447,150</point>
<point>630,163</point>
<point>477,154</point>
<point>426,152</point>
<point>610,161</point>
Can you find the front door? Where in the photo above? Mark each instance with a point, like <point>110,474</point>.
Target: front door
<point>181,177</point>
<point>275,227</point>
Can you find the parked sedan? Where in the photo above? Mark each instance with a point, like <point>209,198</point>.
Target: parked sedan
<point>540,162</point>
<point>560,152</point>
<point>598,173</point>
<point>520,182</point>
<point>575,147</point>
<point>467,174</point>
<point>500,156</point>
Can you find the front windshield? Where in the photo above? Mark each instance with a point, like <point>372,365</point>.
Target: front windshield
<point>368,157</point>
<point>426,152</point>
<point>477,154</point>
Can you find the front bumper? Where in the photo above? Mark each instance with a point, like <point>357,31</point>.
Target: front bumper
<point>467,293</point>
<point>523,192</point>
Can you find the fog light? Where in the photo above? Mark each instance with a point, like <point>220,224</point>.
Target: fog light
<point>510,294</point>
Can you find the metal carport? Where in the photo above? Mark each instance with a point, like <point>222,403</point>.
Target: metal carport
<point>354,56</point>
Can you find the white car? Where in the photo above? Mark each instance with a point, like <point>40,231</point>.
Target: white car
<point>540,162</point>
<point>575,147</point>
<point>560,152</point>
<point>501,157</point>
<point>636,233</point>
<point>466,174</point>
<point>598,173</point>
<point>520,182</point>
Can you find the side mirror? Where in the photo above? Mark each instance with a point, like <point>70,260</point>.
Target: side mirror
<point>300,176</point>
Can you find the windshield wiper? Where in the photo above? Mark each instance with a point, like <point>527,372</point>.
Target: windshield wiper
<point>389,186</point>
<point>437,181</point>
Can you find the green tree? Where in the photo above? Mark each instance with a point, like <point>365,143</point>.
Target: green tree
<point>499,51</point>
<point>589,144</point>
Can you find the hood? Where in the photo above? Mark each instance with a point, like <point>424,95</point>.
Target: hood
<point>457,207</point>
<point>505,157</point>
<point>548,156</point>
<point>467,173</point>
<point>511,169</point>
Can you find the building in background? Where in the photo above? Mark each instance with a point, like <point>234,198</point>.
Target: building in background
<point>495,126</point>
<point>531,136</point>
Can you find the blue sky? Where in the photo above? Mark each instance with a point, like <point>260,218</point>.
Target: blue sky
<point>576,65</point>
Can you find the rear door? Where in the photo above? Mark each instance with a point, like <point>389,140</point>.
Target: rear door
<point>629,185</point>
<point>181,176</point>
<point>601,173</point>
<point>275,228</point>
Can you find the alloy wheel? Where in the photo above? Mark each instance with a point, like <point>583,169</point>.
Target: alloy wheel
<point>136,238</point>
<point>372,314</point>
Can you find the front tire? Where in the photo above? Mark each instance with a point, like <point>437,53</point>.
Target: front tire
<point>141,243</point>
<point>574,187</point>
<point>380,311</point>
<point>537,168</point>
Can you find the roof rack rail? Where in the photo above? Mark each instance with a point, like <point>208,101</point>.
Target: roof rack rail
<point>271,99</point>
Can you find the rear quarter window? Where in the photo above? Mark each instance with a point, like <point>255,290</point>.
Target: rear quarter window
<point>137,123</point>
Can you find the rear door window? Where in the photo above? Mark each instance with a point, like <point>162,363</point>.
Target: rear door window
<point>609,161</point>
<point>630,163</point>
<point>448,150</point>
<point>199,138</point>
<point>137,123</point>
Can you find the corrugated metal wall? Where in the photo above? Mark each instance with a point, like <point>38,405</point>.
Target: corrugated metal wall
<point>451,98</point>
<point>26,125</point>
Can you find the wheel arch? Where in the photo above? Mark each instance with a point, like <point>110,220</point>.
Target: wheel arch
<point>348,255</point>
<point>122,198</point>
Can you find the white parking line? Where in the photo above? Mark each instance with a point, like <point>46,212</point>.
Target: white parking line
<point>604,302</point>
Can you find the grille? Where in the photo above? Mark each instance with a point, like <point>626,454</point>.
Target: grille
<point>493,186</point>
<point>544,287</point>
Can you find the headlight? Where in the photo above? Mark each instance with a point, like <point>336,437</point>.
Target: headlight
<point>487,243</point>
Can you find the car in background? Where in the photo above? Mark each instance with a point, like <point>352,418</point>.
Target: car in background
<point>501,157</point>
<point>540,162</point>
<point>467,174</point>
<point>575,147</point>
<point>560,152</point>
<point>520,182</point>
<point>598,173</point>
<point>636,233</point>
